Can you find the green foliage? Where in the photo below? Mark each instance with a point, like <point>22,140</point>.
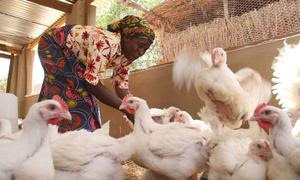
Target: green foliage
<point>3,84</point>
<point>116,11</point>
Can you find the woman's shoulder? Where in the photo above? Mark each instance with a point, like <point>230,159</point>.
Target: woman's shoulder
<point>97,30</point>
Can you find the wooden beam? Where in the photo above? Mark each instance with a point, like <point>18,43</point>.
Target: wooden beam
<point>58,5</point>
<point>58,23</point>
<point>9,49</point>
<point>6,56</point>
<point>11,66</point>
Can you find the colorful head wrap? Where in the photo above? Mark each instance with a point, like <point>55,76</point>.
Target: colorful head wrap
<point>132,26</point>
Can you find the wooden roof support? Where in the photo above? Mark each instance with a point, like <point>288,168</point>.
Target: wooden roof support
<point>55,4</point>
<point>6,56</point>
<point>9,49</point>
<point>58,23</point>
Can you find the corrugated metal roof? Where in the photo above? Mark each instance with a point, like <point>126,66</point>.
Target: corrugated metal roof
<point>23,21</point>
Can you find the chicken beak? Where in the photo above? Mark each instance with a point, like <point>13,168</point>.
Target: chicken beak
<point>254,118</point>
<point>122,106</point>
<point>66,115</point>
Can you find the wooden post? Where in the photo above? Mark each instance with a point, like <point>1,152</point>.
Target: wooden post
<point>82,13</point>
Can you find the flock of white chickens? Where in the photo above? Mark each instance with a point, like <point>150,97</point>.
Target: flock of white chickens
<point>239,137</point>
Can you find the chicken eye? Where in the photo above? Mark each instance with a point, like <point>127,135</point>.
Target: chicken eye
<point>268,112</point>
<point>180,115</point>
<point>52,107</point>
<point>259,146</point>
<point>130,101</point>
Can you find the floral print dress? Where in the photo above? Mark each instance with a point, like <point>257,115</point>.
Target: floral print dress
<point>72,56</point>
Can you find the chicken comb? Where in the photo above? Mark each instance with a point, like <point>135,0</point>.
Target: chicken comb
<point>61,102</point>
<point>259,107</point>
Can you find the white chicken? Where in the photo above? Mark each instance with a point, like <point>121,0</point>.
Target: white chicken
<point>222,132</point>
<point>286,77</point>
<point>104,128</point>
<point>276,122</point>
<point>215,84</point>
<point>5,127</point>
<point>186,118</point>
<point>14,154</point>
<point>236,159</point>
<point>163,116</point>
<point>90,156</point>
<point>174,150</point>
<point>227,95</point>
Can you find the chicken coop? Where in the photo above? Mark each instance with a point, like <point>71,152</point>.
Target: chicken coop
<point>250,31</point>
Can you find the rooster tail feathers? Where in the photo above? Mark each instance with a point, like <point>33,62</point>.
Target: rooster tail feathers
<point>189,63</point>
<point>286,76</point>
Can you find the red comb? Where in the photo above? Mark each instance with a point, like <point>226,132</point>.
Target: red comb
<point>259,107</point>
<point>61,102</point>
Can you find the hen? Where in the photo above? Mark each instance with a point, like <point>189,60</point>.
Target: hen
<point>215,84</point>
<point>230,97</point>
<point>236,159</point>
<point>186,118</point>
<point>15,154</point>
<point>277,124</point>
<point>174,150</point>
<point>91,156</point>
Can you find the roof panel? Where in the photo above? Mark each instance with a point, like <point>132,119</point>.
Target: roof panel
<point>22,21</point>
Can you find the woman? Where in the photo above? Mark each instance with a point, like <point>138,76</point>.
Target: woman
<point>75,58</point>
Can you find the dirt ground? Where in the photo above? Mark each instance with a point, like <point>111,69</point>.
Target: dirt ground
<point>132,171</point>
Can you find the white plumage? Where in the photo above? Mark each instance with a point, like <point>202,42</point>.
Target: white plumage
<point>235,159</point>
<point>85,155</point>
<point>186,118</point>
<point>16,153</point>
<point>173,150</point>
<point>215,84</point>
<point>285,147</point>
<point>163,116</point>
<point>286,76</point>
<point>5,127</point>
<point>229,97</point>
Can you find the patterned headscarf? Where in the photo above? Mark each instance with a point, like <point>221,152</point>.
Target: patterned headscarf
<point>132,26</point>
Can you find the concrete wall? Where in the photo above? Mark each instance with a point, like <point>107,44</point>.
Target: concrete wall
<point>155,84</point>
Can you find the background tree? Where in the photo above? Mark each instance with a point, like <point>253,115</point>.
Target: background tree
<point>3,84</point>
<point>116,11</point>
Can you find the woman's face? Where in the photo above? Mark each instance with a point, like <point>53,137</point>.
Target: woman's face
<point>133,48</point>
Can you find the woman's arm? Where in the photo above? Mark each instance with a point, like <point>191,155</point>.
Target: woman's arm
<point>121,92</point>
<point>103,94</point>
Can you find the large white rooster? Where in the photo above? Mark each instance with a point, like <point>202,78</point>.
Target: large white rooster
<point>226,95</point>
<point>286,77</point>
